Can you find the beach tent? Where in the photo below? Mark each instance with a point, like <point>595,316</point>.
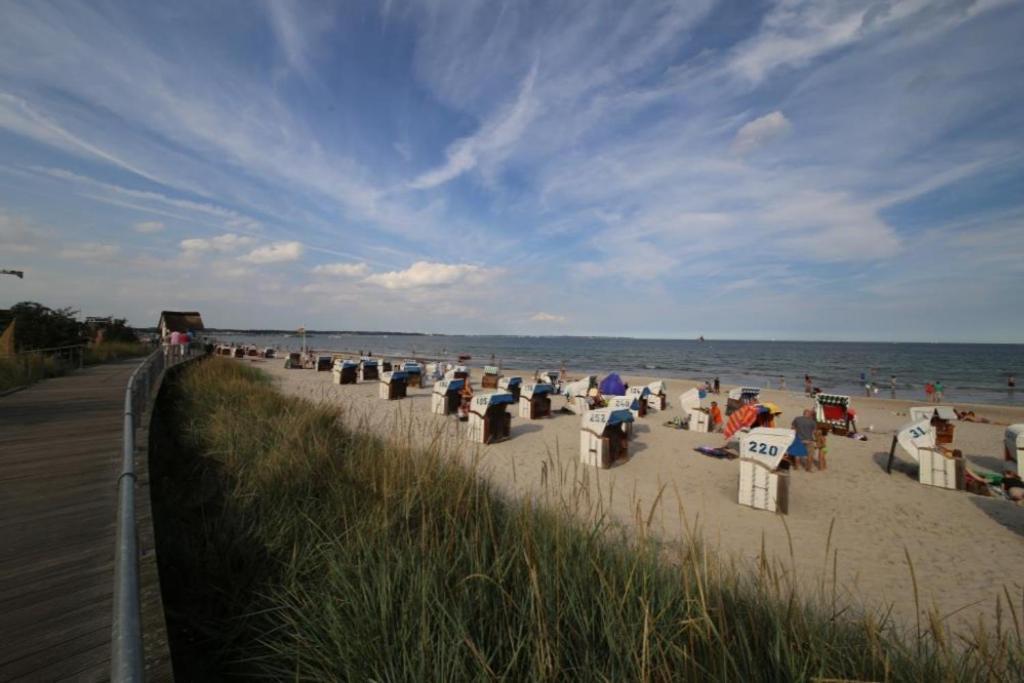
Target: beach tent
<point>612,385</point>
<point>1013,444</point>
<point>489,380</point>
<point>489,420</point>
<point>511,385</point>
<point>604,437</point>
<point>446,396</point>
<point>762,485</point>
<point>535,400</point>
<point>393,385</point>
<point>345,371</point>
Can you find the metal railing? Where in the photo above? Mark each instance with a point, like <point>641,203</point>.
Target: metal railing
<point>126,660</point>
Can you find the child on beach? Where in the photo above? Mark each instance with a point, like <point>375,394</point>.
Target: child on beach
<point>821,445</point>
<point>716,417</point>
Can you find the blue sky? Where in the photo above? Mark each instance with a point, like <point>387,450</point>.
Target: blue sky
<point>790,170</point>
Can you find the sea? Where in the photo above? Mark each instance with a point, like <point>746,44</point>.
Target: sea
<point>970,373</point>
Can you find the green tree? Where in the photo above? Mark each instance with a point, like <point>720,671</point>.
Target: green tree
<point>41,327</point>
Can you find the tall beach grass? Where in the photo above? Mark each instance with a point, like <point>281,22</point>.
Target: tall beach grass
<point>291,547</point>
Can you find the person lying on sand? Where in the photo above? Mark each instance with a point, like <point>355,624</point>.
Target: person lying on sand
<point>1013,485</point>
<point>969,416</point>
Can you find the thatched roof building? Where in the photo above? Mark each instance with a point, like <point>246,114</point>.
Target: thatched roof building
<point>180,321</point>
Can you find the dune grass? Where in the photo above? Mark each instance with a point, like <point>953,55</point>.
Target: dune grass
<point>104,352</point>
<point>22,370</point>
<point>291,547</point>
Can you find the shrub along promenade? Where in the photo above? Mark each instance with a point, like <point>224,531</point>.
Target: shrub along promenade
<point>291,547</point>
<point>28,367</point>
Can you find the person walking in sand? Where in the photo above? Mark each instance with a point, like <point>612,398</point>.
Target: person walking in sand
<point>808,385</point>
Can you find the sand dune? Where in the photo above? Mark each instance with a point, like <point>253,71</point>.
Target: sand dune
<point>965,549</point>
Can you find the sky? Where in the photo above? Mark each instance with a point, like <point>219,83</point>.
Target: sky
<point>751,170</point>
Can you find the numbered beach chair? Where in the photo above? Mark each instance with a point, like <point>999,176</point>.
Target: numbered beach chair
<point>576,394</point>
<point>268,352</point>
<point>937,465</point>
<point>642,396</point>
<point>490,378</point>
<point>489,420</point>
<point>658,398</point>
<point>252,352</point>
<point>604,437</point>
<point>415,373</point>
<point>834,412</point>
<point>293,361</point>
<point>942,418</point>
<point>535,400</point>
<point>512,385</point>
<point>739,397</point>
<point>368,370</point>
<point>630,403</point>
<point>393,385</point>
<point>345,371</point>
<point>695,413</point>
<point>763,485</point>
<point>1013,444</point>
<point>446,396</point>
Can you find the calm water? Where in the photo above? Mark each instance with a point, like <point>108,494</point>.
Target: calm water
<point>970,372</point>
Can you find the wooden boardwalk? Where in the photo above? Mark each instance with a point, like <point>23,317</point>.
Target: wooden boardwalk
<point>60,452</point>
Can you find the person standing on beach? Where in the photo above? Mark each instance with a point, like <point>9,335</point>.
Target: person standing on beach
<point>929,390</point>
<point>782,382</point>
<point>718,386</point>
<point>939,389</point>
<point>1011,382</point>
<point>805,426</point>
<point>892,385</point>
<point>808,385</point>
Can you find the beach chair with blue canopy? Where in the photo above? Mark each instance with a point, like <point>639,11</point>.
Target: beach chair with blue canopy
<point>489,420</point>
<point>393,385</point>
<point>446,396</point>
<point>345,371</point>
<point>658,400</point>
<point>535,400</point>
<point>604,436</point>
<point>368,369</point>
<point>512,385</point>
<point>414,371</point>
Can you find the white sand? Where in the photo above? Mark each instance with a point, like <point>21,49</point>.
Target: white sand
<point>965,549</point>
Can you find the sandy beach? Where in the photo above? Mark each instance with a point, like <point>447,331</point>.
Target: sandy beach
<point>852,522</point>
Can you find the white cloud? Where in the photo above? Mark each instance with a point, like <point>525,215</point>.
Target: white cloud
<point>343,269</point>
<point>495,136</point>
<point>547,317</point>
<point>275,253</point>
<point>426,274</point>
<point>222,243</point>
<point>761,130</point>
<point>148,227</point>
<point>89,251</point>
